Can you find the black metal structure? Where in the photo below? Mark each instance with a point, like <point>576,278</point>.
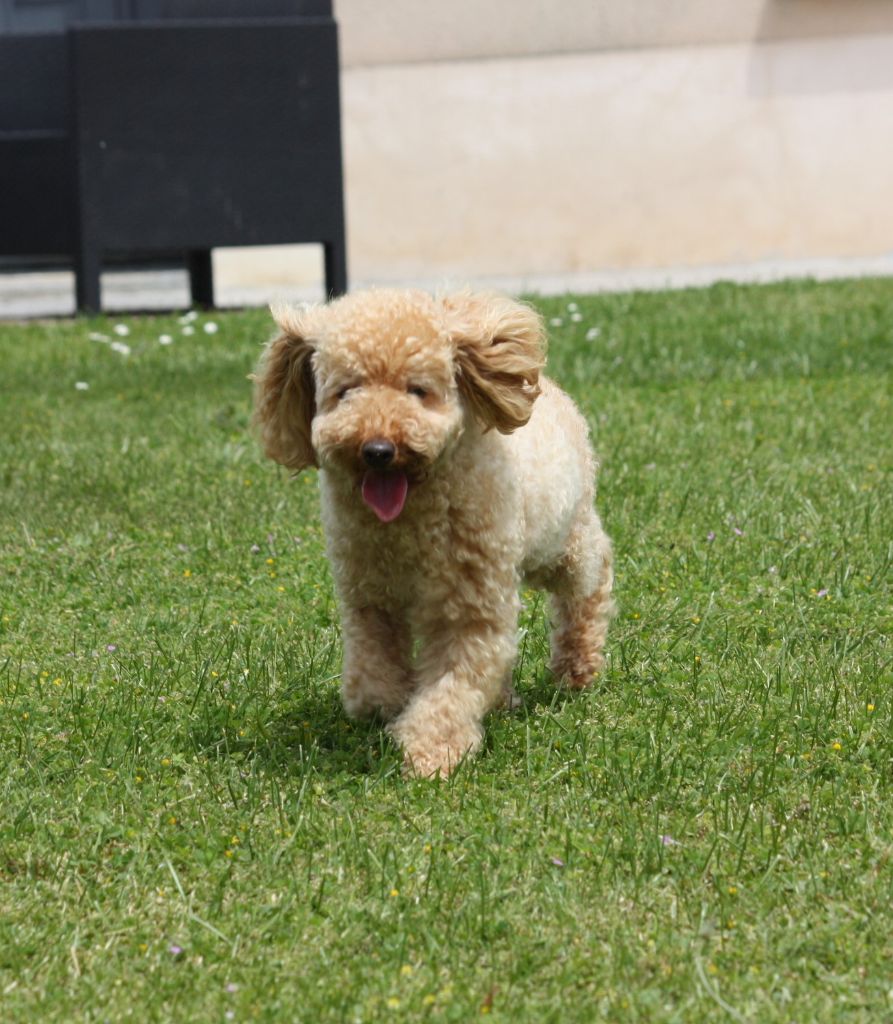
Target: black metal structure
<point>182,126</point>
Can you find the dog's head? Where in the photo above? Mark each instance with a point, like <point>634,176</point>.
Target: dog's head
<point>378,385</point>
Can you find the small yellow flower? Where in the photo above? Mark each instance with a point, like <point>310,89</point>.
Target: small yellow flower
<point>166,761</point>
<point>696,619</point>
<point>836,746</point>
<point>395,892</point>
<point>429,1000</point>
<point>733,890</point>
<point>869,708</point>
<point>697,659</point>
<point>57,682</point>
<point>281,590</point>
<point>270,561</point>
<point>25,715</point>
<point>187,573</point>
<point>144,947</point>
<point>393,1003</point>
<point>406,970</point>
<point>227,853</point>
<point>426,848</point>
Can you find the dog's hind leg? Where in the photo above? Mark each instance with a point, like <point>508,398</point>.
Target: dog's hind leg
<point>377,677</point>
<point>582,606</point>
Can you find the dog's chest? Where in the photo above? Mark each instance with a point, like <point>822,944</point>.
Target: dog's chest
<point>386,564</point>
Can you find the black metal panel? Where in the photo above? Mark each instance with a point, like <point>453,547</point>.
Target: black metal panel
<point>187,10</point>
<point>33,83</point>
<point>36,195</point>
<point>21,16</point>
<point>200,136</point>
<point>158,140</point>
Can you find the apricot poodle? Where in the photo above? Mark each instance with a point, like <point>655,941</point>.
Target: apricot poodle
<point>450,471</point>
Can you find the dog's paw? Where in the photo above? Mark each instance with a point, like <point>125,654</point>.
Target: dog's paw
<point>436,751</point>
<point>360,703</point>
<point>430,764</point>
<point>576,672</point>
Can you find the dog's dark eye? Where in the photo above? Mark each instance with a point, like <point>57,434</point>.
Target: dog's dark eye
<point>419,392</point>
<point>343,392</point>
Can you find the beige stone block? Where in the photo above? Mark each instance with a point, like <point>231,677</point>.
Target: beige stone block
<point>409,31</point>
<point>660,158</point>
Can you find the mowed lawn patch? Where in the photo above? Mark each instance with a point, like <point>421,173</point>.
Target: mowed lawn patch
<point>191,829</point>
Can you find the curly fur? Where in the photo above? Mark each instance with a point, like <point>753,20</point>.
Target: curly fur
<point>499,488</point>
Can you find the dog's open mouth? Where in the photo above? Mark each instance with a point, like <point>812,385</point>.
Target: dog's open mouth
<point>385,492</point>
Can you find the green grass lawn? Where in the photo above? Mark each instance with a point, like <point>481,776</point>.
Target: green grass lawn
<point>191,830</point>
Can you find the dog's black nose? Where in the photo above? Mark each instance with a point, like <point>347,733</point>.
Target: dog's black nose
<point>378,454</point>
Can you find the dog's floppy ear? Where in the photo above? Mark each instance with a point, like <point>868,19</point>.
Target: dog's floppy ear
<point>284,393</point>
<point>500,350</point>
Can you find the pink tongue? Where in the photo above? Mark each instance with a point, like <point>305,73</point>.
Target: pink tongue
<point>385,493</point>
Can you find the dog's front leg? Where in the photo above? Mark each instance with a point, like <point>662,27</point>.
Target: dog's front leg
<point>377,676</point>
<point>461,675</point>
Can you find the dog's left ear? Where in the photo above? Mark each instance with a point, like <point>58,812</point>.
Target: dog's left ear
<point>500,351</point>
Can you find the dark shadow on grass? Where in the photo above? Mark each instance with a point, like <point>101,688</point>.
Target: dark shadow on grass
<point>544,693</point>
<point>316,736</point>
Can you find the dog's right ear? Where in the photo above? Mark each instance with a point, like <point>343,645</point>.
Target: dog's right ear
<point>284,393</point>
